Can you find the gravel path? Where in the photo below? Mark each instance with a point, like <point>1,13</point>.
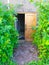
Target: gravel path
<point>25,52</point>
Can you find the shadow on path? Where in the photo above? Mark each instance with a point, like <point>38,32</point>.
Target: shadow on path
<point>25,52</point>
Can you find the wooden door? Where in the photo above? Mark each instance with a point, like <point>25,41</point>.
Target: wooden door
<point>30,20</point>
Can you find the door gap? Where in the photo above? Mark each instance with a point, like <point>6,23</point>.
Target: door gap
<point>21,26</point>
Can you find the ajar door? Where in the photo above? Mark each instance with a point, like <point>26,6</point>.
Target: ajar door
<point>30,21</point>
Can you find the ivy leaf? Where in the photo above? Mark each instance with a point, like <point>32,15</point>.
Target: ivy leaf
<point>31,0</point>
<point>0,20</point>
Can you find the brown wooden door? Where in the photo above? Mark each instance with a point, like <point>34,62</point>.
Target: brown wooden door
<point>30,20</point>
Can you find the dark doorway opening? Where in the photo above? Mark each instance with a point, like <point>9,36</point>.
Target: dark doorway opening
<point>21,25</point>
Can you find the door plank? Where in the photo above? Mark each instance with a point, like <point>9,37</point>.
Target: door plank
<point>30,21</point>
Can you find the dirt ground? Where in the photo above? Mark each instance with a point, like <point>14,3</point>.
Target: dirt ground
<point>25,52</point>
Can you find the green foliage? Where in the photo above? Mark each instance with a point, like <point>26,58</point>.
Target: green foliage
<point>41,36</point>
<point>31,0</point>
<point>39,62</point>
<point>8,35</point>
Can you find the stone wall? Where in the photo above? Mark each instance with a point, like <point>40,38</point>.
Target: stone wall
<point>25,5</point>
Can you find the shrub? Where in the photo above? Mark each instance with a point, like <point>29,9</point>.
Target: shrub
<point>8,35</point>
<point>41,36</point>
<point>39,62</point>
